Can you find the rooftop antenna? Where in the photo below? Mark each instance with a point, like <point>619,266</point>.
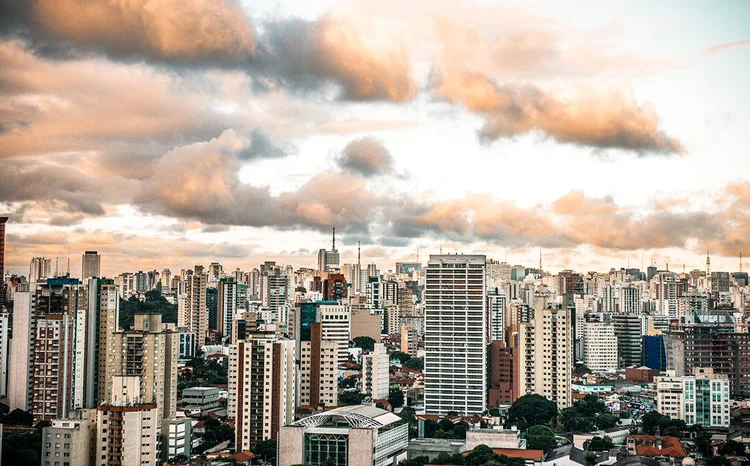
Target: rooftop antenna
<point>540,260</point>
<point>740,262</point>
<point>708,264</point>
<point>333,248</point>
<point>441,247</point>
<point>67,273</point>
<point>57,262</point>
<point>359,262</point>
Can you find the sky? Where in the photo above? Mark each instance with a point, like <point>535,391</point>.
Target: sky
<point>171,133</point>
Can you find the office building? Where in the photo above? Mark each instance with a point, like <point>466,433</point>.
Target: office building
<point>655,352</point>
<point>202,399</point>
<point>701,398</point>
<point>455,333</point>
<point>350,435</point>
<point>329,260</point>
<point>496,323</point>
<point>375,365</point>
<point>503,389</point>
<point>628,329</point>
<point>91,265</point>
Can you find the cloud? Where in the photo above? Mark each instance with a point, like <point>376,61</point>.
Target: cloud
<point>728,45</point>
<point>366,156</point>
<point>610,120</point>
<point>301,54</point>
<point>166,31</point>
<point>200,182</point>
<point>261,146</point>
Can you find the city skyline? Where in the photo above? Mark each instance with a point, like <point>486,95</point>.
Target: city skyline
<point>602,136</point>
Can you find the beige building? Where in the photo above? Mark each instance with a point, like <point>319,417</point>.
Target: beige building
<point>375,365</point>
<point>261,386</point>
<point>365,324</point>
<point>702,398</point>
<point>71,441</point>
<point>149,352</point>
<point>318,372</point>
<point>126,427</point>
<point>191,304</point>
<point>545,346</point>
<point>409,339</point>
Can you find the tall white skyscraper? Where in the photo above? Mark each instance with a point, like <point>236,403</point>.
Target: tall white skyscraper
<point>455,332</point>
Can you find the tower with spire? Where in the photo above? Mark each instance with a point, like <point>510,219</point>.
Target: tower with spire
<point>708,270</point>
<point>328,261</point>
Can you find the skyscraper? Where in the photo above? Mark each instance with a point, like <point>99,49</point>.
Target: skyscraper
<point>455,333</point>
<point>227,306</point>
<point>91,265</point>
<point>329,260</point>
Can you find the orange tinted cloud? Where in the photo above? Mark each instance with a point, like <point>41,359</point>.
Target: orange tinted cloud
<point>174,31</point>
<point>610,120</point>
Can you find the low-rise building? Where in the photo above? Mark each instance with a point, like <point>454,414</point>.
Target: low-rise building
<point>351,435</point>
<point>494,438</point>
<point>702,398</point>
<point>203,399</point>
<point>175,437</point>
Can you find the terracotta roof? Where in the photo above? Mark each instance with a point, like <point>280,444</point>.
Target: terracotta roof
<point>671,446</point>
<point>243,456</point>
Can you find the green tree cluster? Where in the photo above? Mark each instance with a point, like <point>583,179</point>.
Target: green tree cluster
<point>540,438</point>
<point>587,415</point>
<point>732,448</point>
<point>531,410</point>
<point>366,343</point>
<point>653,421</point>
<point>445,428</point>
<point>154,303</point>
<point>266,449</point>
<point>396,397</point>
<point>599,444</point>
<point>401,356</point>
<point>351,398</point>
<point>415,363</point>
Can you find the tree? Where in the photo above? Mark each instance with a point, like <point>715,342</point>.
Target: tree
<point>178,459</point>
<point>531,410</point>
<point>718,461</point>
<point>607,421</point>
<point>574,421</point>
<point>396,398</point>
<point>599,444</point>
<point>582,369</point>
<point>17,417</point>
<point>349,382</point>
<point>590,458</point>
<point>366,343</point>
<point>732,448</point>
<point>540,438</point>
<point>22,447</point>
<point>446,425</point>
<point>409,415</point>
<point>416,461</point>
<point>459,431</point>
<point>350,398</point>
<point>154,302</point>
<point>652,421</point>
<point>401,356</point>
<point>481,454</point>
<point>415,363</point>
<point>266,449</point>
<point>430,427</point>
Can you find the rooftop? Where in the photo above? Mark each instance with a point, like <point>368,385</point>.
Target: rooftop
<point>360,416</point>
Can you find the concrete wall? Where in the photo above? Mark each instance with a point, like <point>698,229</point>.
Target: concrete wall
<point>291,445</point>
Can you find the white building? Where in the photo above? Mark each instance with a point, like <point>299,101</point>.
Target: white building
<point>375,373</point>
<point>4,346</point>
<point>702,398</point>
<point>354,435</point>
<point>336,324</point>
<point>599,346</point>
<point>455,333</point>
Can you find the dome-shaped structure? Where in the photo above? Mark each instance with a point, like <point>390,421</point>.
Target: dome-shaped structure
<point>359,416</point>
<point>688,461</point>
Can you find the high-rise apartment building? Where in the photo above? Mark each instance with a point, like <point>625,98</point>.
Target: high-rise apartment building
<point>102,321</point>
<point>335,322</point>
<point>318,369</point>
<point>3,222</point>
<point>192,310</point>
<point>409,339</point>
<point>329,260</point>
<point>455,332</point>
<point>39,269</point>
<point>261,387</point>
<point>496,323</point>
<point>150,352</point>
<point>4,351</point>
<point>127,427</point>
<point>630,300</point>
<point>227,306</point>
<point>553,352</point>
<point>91,265</point>
<point>701,398</point>
<point>375,367</point>
<point>664,288</point>
<point>274,289</point>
